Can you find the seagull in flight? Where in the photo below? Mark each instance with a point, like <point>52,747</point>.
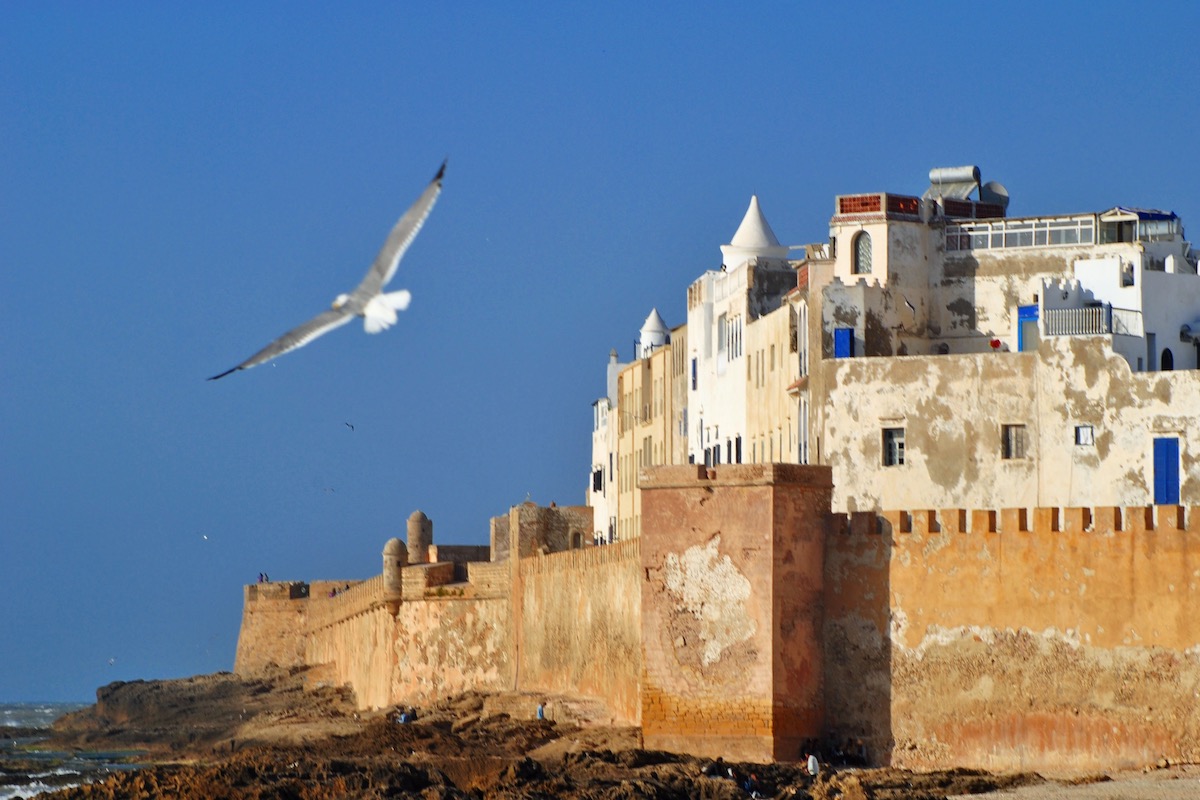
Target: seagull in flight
<point>368,300</point>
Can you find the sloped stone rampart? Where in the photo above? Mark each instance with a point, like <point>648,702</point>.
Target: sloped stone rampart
<point>580,622</point>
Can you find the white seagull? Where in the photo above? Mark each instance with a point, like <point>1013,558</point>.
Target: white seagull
<point>368,300</point>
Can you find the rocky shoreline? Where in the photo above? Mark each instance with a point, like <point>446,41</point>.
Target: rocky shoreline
<point>281,737</point>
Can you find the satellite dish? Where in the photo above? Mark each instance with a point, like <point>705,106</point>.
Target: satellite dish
<point>994,192</point>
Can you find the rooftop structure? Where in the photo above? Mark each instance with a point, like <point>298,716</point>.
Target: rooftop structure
<point>937,351</point>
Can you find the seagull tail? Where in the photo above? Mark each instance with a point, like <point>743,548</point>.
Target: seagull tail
<point>380,313</point>
<point>398,300</point>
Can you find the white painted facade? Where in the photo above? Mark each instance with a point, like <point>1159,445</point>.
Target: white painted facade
<point>727,352</point>
<point>937,353</point>
<point>602,488</point>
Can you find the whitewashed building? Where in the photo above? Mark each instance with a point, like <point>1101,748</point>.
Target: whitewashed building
<point>938,353</point>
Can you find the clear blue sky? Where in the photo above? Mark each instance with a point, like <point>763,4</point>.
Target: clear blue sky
<point>182,182</point>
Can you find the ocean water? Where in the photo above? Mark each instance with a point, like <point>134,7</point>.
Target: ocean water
<point>24,772</point>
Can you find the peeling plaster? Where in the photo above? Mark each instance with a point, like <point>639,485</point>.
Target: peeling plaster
<point>711,589</point>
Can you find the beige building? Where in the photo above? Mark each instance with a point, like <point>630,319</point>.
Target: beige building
<point>938,353</point>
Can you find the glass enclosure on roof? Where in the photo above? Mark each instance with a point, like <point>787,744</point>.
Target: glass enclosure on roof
<point>1135,225</point>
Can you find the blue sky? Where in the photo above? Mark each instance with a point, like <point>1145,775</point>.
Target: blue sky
<point>180,183</point>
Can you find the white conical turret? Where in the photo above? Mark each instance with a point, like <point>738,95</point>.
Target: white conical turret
<point>654,334</point>
<point>754,239</point>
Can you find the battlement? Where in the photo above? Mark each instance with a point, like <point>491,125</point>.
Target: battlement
<point>337,603</point>
<point>276,590</point>
<point>1100,520</point>
<point>582,559</point>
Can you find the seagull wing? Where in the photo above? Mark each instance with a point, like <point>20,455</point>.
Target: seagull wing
<point>296,337</point>
<point>398,240</point>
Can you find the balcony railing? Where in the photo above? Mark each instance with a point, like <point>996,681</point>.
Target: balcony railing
<point>1093,321</point>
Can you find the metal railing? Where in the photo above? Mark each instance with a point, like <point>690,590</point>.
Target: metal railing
<point>1093,321</point>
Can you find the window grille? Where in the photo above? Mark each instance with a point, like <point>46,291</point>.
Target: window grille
<point>862,254</point>
<point>893,447</point>
<point>1013,441</point>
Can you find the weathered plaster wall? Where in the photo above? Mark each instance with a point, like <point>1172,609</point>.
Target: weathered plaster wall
<point>580,624</point>
<point>355,650</point>
<point>730,608</point>
<point>953,408</point>
<point>1011,641</point>
<point>448,644</point>
<point>272,628</point>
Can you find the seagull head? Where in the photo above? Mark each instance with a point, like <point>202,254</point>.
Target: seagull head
<point>340,301</point>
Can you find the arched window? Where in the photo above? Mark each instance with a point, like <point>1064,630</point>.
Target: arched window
<point>862,253</point>
<point>1168,360</point>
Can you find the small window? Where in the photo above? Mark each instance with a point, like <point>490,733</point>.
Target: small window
<point>1012,444</point>
<point>693,374</point>
<point>1084,436</point>
<point>597,480</point>
<point>893,447</point>
<point>862,254</point>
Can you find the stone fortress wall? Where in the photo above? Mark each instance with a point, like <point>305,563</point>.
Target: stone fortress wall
<point>748,620</point>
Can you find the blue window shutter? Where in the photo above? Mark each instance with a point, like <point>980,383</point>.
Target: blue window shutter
<point>1166,472</point>
<point>843,342</point>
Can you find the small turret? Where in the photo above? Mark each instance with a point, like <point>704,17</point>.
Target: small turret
<point>420,536</point>
<point>395,558</point>
<point>653,335</point>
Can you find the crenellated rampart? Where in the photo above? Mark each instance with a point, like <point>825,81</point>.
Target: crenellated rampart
<point>1015,638</point>
<point>748,620</point>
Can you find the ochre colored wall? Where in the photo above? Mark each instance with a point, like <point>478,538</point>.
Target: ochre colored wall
<point>725,553</point>
<point>1016,640</point>
<point>273,625</point>
<point>748,618</point>
<point>580,621</point>
<point>447,645</point>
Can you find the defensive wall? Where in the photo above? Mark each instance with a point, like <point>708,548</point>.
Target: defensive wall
<point>1027,639</point>
<point>543,623</point>
<point>750,622</point>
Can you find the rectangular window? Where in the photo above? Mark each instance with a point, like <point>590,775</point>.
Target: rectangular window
<point>1084,435</point>
<point>597,480</point>
<point>693,374</point>
<point>1012,441</point>
<point>893,447</point>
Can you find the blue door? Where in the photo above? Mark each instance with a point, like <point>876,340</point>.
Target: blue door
<point>1166,472</point>
<point>843,342</point>
<point>1028,335</point>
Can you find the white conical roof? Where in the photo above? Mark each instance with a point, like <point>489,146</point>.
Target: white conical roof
<point>654,333</point>
<point>654,323</point>
<point>753,239</point>
<point>754,231</point>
